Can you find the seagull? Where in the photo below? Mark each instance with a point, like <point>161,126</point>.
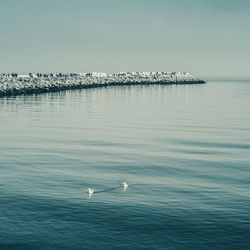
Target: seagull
<point>125,186</point>
<point>90,192</point>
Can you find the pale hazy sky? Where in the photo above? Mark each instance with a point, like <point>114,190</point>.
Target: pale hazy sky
<point>205,37</point>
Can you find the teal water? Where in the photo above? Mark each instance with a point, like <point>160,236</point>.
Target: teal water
<point>187,149</point>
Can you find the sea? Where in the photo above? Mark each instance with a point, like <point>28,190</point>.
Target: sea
<point>183,150</point>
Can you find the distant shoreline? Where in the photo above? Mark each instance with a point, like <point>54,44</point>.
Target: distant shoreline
<point>14,84</point>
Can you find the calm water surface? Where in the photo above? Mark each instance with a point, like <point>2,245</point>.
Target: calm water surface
<point>186,147</point>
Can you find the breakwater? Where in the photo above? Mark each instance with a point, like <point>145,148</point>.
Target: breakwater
<point>16,84</point>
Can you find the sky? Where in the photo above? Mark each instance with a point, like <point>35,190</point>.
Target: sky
<point>208,38</point>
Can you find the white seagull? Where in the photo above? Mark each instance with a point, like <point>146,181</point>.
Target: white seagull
<point>90,192</point>
<point>125,186</point>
